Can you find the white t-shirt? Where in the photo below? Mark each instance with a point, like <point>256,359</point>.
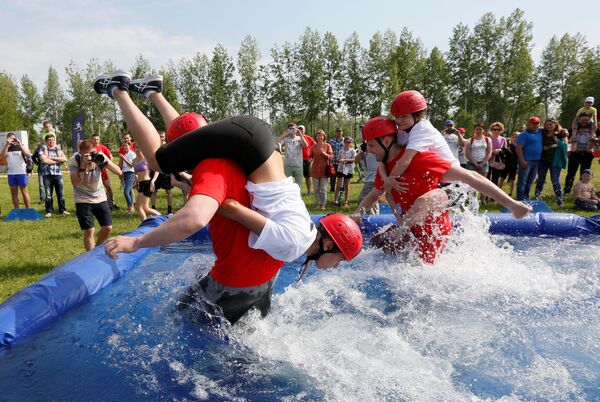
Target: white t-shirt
<point>346,167</point>
<point>130,156</point>
<point>15,163</point>
<point>289,231</point>
<point>479,149</point>
<point>453,143</point>
<point>424,137</point>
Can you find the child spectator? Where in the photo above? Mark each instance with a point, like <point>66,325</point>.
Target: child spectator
<point>584,193</point>
<point>587,109</point>
<point>345,171</point>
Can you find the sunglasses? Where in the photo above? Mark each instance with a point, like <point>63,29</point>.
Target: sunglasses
<point>496,129</point>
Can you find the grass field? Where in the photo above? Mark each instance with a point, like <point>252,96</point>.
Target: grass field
<point>29,249</point>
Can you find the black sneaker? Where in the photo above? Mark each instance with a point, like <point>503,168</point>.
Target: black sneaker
<point>147,85</point>
<point>104,84</point>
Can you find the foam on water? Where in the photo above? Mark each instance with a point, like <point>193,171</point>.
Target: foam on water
<point>484,322</point>
<point>497,318</point>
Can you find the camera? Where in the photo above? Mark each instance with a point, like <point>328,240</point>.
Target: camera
<point>291,131</point>
<point>99,159</point>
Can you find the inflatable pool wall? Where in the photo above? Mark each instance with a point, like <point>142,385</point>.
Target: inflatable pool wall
<point>73,282</point>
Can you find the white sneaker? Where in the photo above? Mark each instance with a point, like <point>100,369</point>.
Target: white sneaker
<point>48,215</point>
<point>65,213</point>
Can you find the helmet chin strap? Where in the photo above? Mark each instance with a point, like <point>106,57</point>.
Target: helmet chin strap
<point>314,257</point>
<point>386,149</point>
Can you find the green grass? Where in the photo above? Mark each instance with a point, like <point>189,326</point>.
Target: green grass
<point>30,249</point>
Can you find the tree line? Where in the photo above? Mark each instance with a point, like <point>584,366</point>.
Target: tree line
<point>488,74</point>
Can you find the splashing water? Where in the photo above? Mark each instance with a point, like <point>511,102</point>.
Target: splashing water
<point>495,318</point>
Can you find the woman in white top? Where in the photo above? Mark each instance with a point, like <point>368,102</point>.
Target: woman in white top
<point>345,170</point>
<point>478,151</point>
<point>15,154</point>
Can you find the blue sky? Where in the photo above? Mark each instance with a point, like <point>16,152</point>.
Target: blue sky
<point>37,34</point>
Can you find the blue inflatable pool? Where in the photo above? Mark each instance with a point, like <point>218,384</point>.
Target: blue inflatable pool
<point>509,315</point>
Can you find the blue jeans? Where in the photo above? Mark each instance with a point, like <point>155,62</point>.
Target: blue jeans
<point>543,168</point>
<point>42,187</point>
<point>128,181</point>
<point>56,183</point>
<point>526,177</point>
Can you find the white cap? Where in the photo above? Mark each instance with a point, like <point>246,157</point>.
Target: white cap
<point>589,99</point>
<point>301,127</point>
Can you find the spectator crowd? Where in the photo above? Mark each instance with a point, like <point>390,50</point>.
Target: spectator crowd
<point>324,166</point>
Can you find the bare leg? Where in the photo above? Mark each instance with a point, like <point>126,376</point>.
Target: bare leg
<point>486,187</point>
<point>26,198</point>
<point>139,206</point>
<point>166,110</point>
<point>88,239</point>
<point>432,201</point>
<point>103,234</point>
<point>14,194</point>
<point>141,128</point>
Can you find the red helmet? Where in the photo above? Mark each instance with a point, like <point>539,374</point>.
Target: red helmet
<point>184,124</point>
<point>379,126</point>
<point>408,102</point>
<point>345,233</point>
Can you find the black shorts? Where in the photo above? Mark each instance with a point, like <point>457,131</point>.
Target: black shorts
<point>247,140</point>
<point>162,181</point>
<point>86,213</point>
<point>209,295</point>
<point>344,176</point>
<point>306,169</point>
<point>144,188</point>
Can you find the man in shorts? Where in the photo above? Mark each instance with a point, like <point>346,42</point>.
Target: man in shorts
<point>85,170</point>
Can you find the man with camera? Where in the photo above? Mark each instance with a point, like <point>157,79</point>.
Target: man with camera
<point>90,198</point>
<point>293,141</point>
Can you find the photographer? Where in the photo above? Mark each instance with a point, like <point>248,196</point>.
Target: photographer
<point>90,198</point>
<point>293,142</point>
<point>16,155</point>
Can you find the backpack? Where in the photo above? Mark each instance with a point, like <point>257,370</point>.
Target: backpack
<point>35,157</point>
